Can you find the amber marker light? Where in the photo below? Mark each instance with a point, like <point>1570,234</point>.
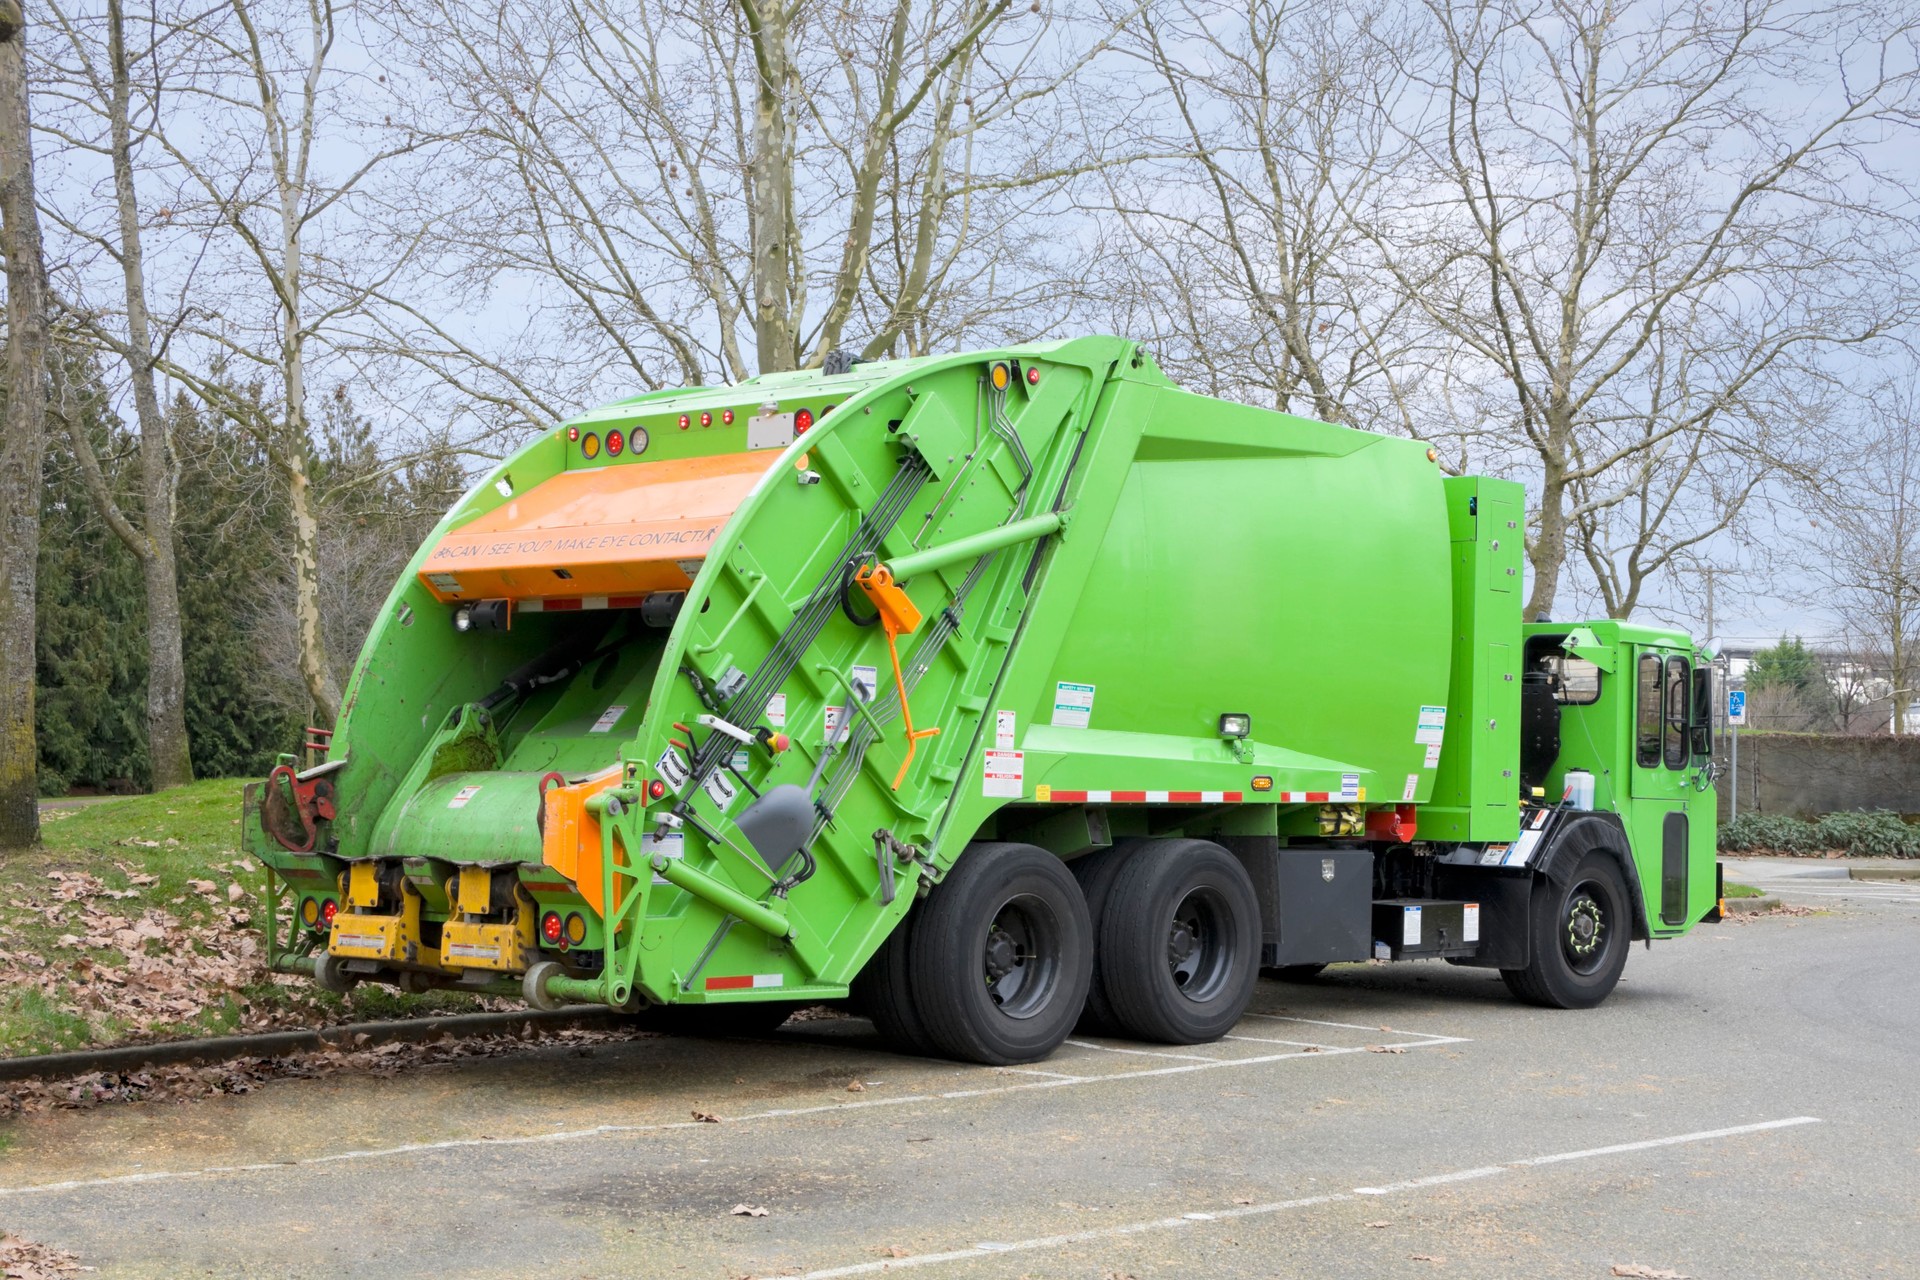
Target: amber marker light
<point>999,375</point>
<point>590,446</point>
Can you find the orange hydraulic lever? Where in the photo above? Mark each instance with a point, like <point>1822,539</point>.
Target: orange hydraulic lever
<point>897,615</point>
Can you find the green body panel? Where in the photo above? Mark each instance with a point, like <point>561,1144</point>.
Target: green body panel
<point>1204,558</point>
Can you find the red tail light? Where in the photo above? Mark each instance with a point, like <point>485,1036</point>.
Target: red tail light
<point>328,912</point>
<point>802,419</point>
<point>656,789</point>
<point>550,926</point>
<point>685,422</point>
<point>706,418</point>
<point>573,433</point>
<point>726,417</point>
<point>1033,375</point>
<point>615,443</point>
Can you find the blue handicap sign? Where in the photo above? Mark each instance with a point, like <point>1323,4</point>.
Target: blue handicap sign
<point>1736,705</point>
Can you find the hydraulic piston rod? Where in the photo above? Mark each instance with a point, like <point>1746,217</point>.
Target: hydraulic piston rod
<point>961,550</point>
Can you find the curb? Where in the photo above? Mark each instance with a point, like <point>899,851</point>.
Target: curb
<point>1886,873</point>
<point>279,1044</point>
<point>1752,906</point>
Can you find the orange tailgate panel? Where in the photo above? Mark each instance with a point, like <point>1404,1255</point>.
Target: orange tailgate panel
<point>615,530</point>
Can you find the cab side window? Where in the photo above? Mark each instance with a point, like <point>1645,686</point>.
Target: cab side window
<point>1647,711</point>
<point>1673,733</point>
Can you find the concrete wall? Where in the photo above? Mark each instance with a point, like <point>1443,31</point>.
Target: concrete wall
<point>1806,775</point>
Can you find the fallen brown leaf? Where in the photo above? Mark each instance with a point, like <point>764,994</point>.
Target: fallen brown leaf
<point>706,1117</point>
<point>748,1211</point>
<point>1380,1222</point>
<point>235,893</point>
<point>202,886</point>
<point>856,1087</point>
<point>24,1259</point>
<point>895,1251</point>
<point>1386,1048</point>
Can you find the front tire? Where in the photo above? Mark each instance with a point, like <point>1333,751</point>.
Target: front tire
<point>1180,942</point>
<point>1001,959</point>
<point>1579,938</point>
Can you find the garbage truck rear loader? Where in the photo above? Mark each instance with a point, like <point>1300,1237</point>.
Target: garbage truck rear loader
<point>1009,691</point>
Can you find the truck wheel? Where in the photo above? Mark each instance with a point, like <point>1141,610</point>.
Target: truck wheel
<point>1580,935</point>
<point>330,975</point>
<point>1001,958</point>
<point>884,992</point>
<point>1179,947</point>
<point>1095,872</point>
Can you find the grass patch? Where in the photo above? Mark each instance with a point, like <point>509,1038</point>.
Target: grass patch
<point>125,926</point>
<point>1731,890</point>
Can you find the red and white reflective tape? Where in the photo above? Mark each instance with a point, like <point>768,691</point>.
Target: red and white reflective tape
<point>746,981</point>
<point>1058,796</point>
<point>570,604</point>
<point>1307,797</point>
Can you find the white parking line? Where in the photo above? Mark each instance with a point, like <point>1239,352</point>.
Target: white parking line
<point>780,1113</point>
<point>1190,1219</point>
<point>1354,1026</point>
<point>1142,1053</point>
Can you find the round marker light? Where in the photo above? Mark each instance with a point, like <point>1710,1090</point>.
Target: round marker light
<point>802,419</point>
<point>685,422</point>
<point>328,912</point>
<point>590,446</point>
<point>1433,455</point>
<point>706,417</point>
<point>1033,375</point>
<point>999,375</point>
<point>656,790</point>
<point>550,926</point>
<point>726,417</point>
<point>310,912</point>
<point>615,443</point>
<point>637,442</point>
<point>828,409</point>
<point>576,929</point>
<point>573,433</point>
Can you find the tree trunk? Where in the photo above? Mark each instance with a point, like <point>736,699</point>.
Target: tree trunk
<point>22,442</point>
<point>166,671</point>
<point>771,176</point>
<point>1549,551</point>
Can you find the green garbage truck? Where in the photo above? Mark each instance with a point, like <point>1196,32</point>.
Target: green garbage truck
<point>1004,692</point>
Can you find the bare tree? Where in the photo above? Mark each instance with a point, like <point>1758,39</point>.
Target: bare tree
<point>268,101</point>
<point>23,431</point>
<point>1645,225</point>
<point>1241,256</point>
<point>93,70</point>
<point>716,188</point>
<point>1861,554</point>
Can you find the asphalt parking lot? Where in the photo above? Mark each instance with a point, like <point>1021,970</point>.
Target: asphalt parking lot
<point>1747,1104</point>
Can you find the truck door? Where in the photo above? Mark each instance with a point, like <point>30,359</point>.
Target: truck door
<point>1665,795</point>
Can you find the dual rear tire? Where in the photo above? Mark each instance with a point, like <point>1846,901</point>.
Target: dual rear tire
<point>1157,940</point>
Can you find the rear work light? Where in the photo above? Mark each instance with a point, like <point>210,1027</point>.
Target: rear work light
<point>550,927</point>
<point>615,443</point>
<point>802,419</point>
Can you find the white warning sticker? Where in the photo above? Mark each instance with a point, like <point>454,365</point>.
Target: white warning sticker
<point>866,681</point>
<point>1470,922</point>
<point>673,844</point>
<point>1349,786</point>
<point>1413,785</point>
<point>1432,726</point>
<point>777,711</point>
<point>721,789</point>
<point>1410,926</point>
<point>461,797</point>
<point>1004,774</point>
<point>670,768</point>
<point>609,718</point>
<point>1072,705</point>
<point>1433,756</point>
<point>830,722</point>
<point>1003,730</point>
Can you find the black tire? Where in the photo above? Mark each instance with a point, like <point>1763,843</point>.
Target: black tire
<point>1581,931</point>
<point>1295,972</point>
<point>720,1021</point>
<point>1002,956</point>
<point>883,991</point>
<point>1095,872</point>
<point>1179,947</point>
